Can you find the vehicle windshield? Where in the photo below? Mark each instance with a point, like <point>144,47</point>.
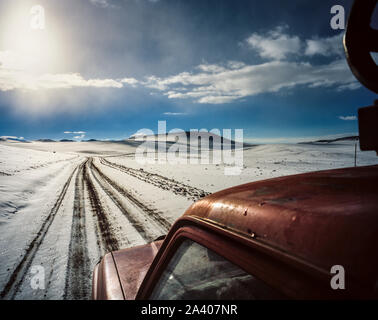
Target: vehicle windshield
<point>195,272</point>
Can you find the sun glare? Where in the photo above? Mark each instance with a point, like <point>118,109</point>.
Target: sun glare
<point>31,50</point>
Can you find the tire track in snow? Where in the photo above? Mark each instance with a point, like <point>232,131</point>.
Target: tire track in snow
<point>108,239</point>
<point>78,274</point>
<point>140,228</point>
<point>137,221</point>
<point>19,273</point>
<point>79,271</point>
<point>189,192</point>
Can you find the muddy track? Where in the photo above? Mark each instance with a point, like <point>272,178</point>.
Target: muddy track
<point>108,239</point>
<point>139,227</point>
<point>78,278</point>
<point>19,273</point>
<point>189,192</point>
<point>150,213</point>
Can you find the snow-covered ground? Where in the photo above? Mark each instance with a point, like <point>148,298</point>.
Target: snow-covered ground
<point>64,204</point>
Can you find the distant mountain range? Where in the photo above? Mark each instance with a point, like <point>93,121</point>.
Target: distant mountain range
<point>184,137</point>
<point>323,141</point>
<point>46,140</point>
<point>173,137</point>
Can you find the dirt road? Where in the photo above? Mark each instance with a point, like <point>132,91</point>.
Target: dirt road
<point>103,215</point>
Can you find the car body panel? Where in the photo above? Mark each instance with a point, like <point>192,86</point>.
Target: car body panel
<point>120,273</point>
<point>106,284</point>
<point>132,265</point>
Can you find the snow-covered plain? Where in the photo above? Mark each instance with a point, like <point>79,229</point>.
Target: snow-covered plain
<point>64,204</point>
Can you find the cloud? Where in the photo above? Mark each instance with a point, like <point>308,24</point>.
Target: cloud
<point>12,80</point>
<point>222,84</point>
<point>275,44</point>
<point>13,75</point>
<point>79,134</point>
<point>74,132</point>
<point>349,86</point>
<point>278,45</point>
<point>325,46</point>
<point>130,81</point>
<point>233,80</point>
<point>100,3</point>
<point>348,118</point>
<point>175,113</point>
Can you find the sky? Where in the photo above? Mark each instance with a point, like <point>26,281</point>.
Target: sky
<point>104,69</point>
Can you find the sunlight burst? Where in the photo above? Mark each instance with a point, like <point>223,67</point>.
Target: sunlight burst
<point>31,50</point>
